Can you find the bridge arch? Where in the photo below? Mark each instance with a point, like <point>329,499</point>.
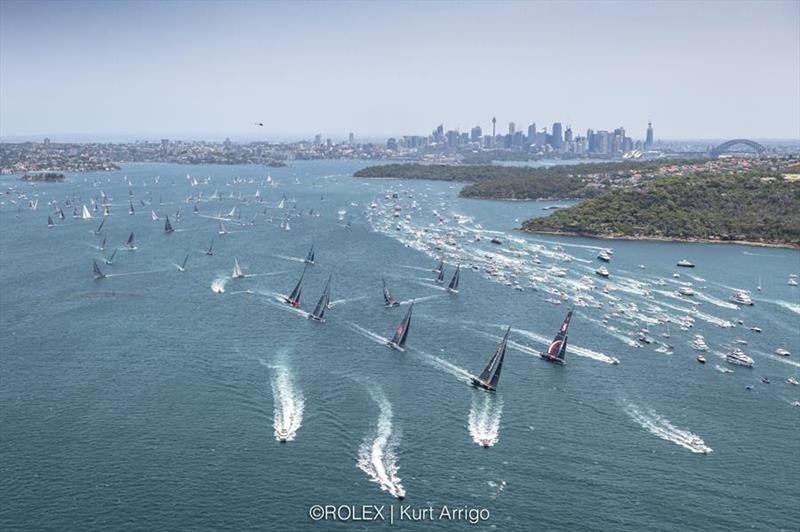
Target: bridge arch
<point>725,146</point>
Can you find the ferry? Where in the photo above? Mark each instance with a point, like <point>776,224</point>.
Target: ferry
<point>738,358</point>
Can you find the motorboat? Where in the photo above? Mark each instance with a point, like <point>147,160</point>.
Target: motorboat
<point>701,359</point>
<point>738,358</point>
<point>782,351</point>
<point>792,381</point>
<point>683,263</point>
<point>602,271</point>
<point>699,343</point>
<point>741,297</point>
<point>686,291</point>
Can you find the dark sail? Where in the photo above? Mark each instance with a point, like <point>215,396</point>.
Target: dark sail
<point>294,297</point>
<point>103,244</point>
<point>322,304</point>
<point>210,248</point>
<point>98,274</point>
<point>168,226</point>
<point>401,333</point>
<point>195,210</point>
<point>50,221</point>
<point>130,209</point>
<point>388,299</point>
<point>310,256</point>
<point>557,351</point>
<point>99,227</point>
<point>110,259</point>
<point>453,287</point>
<point>130,241</point>
<point>440,278</point>
<point>491,374</point>
<point>440,266</point>
<point>61,213</point>
<point>185,260</point>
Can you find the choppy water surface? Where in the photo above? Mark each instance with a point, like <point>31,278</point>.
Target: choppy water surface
<point>155,398</point>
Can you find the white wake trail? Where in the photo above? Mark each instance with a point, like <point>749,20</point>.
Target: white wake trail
<point>484,419</point>
<point>714,301</point>
<point>289,405</point>
<point>661,427</point>
<point>376,456</point>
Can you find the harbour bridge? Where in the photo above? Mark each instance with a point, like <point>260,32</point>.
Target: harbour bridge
<point>726,146</point>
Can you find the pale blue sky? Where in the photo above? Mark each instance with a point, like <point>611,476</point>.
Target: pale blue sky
<point>205,69</point>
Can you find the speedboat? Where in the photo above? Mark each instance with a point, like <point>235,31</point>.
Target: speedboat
<point>765,380</point>
<point>742,298</point>
<point>738,358</point>
<point>782,352</point>
<point>792,381</point>
<point>755,329</point>
<point>792,280</point>
<point>699,343</point>
<point>701,359</point>
<point>698,445</point>
<point>602,271</point>
<point>282,435</point>
<point>604,256</point>
<point>683,263</point>
<point>486,443</point>
<point>686,291</point>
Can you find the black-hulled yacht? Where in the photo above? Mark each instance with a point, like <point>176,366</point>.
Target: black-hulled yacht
<point>388,300</point>
<point>453,286</point>
<point>557,351</point>
<point>398,341</point>
<point>322,304</point>
<point>293,299</point>
<point>490,376</point>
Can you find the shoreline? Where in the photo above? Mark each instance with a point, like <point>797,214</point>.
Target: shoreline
<point>753,243</point>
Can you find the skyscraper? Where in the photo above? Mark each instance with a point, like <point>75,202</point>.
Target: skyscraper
<point>648,143</point>
<point>512,127</point>
<point>476,133</point>
<point>532,134</point>
<point>350,138</point>
<point>494,129</point>
<point>558,138</point>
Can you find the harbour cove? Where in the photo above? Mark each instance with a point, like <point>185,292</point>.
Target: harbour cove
<point>189,397</point>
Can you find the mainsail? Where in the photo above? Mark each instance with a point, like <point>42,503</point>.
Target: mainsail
<point>440,277</point>
<point>86,215</point>
<point>99,227</point>
<point>98,274</point>
<point>130,209</point>
<point>50,221</point>
<point>168,226</point>
<point>110,260</point>
<point>453,286</point>
<point>210,250</point>
<point>322,304</point>
<point>129,243</point>
<point>294,298</point>
<point>310,256</point>
<point>398,341</point>
<point>388,299</point>
<point>183,266</point>
<point>237,270</point>
<point>558,348</point>
<point>440,266</point>
<point>490,376</point>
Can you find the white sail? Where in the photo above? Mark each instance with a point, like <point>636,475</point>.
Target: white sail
<point>237,270</point>
<point>86,215</point>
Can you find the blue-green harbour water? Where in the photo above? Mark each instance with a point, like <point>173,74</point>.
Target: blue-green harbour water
<point>146,401</point>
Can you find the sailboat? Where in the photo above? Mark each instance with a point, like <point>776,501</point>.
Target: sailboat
<point>130,245</point>
<point>110,260</point>
<point>453,286</point>
<point>440,277</point>
<point>237,270</point>
<point>222,229</point>
<point>131,210</point>
<point>388,300</point>
<point>86,215</point>
<point>491,374</point>
<point>398,341</point>
<point>99,227</point>
<point>103,244</point>
<point>558,349</point>
<point>98,274</point>
<point>322,304</point>
<point>195,210</point>
<point>210,250</point>
<point>439,267</point>
<point>61,214</point>
<point>282,203</point>
<point>759,284</point>
<point>50,221</point>
<point>310,256</point>
<point>294,298</point>
<point>106,210</point>
<point>168,226</point>
<point>182,267</point>
<point>154,215</point>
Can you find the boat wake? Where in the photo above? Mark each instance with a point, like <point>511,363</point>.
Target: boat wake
<point>661,427</point>
<point>423,298</point>
<point>376,456</point>
<point>135,273</point>
<point>793,307</point>
<point>484,419</point>
<point>366,333</point>
<point>289,405</point>
<point>715,301</point>
<point>287,257</point>
<point>442,364</point>
<point>572,348</point>
<point>343,301</point>
<point>218,284</point>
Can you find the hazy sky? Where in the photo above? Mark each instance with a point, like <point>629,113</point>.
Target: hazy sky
<point>205,69</point>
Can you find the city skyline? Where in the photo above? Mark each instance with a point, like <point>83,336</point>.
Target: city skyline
<point>152,70</point>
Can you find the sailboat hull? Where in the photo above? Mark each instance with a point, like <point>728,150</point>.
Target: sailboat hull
<point>392,304</point>
<point>396,347</point>
<point>553,359</point>
<point>482,385</point>
<point>315,318</point>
